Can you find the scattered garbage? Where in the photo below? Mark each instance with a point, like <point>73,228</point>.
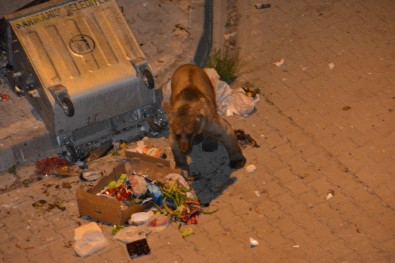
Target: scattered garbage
<point>241,104</point>
<point>149,150</point>
<point>39,203</point>
<point>182,28</point>
<point>158,222</point>
<point>56,166</point>
<point>245,139</point>
<point>250,90</point>
<point>138,184</point>
<point>46,206</point>
<point>138,248</point>
<point>141,218</point>
<point>91,175</point>
<point>262,6</point>
<point>187,232</point>
<point>178,200</point>
<point>116,229</point>
<point>119,189</point>
<point>257,193</point>
<point>241,101</point>
<point>223,92</point>
<point>131,233</point>
<point>331,66</point>
<point>50,164</point>
<point>330,194</point>
<point>143,223</point>
<point>250,168</point>
<point>279,63</point>
<point>89,239</point>
<point>162,193</point>
<point>253,242</point>
<point>4,97</point>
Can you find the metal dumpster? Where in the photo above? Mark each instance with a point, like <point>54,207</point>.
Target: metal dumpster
<point>80,66</point>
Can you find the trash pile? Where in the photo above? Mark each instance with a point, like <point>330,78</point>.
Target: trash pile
<point>171,196</point>
<point>56,166</point>
<point>141,186</point>
<point>164,199</point>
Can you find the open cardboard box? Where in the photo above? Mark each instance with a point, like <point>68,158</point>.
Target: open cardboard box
<point>113,211</point>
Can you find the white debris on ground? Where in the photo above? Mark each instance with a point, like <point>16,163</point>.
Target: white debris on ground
<point>253,242</point>
<point>279,63</point>
<point>330,194</point>
<point>89,239</point>
<point>250,168</point>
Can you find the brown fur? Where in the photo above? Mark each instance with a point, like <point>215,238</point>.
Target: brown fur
<point>193,112</point>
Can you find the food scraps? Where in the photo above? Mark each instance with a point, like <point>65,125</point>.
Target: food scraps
<point>56,166</point>
<point>245,139</point>
<point>5,97</point>
<point>172,197</point>
<point>187,232</point>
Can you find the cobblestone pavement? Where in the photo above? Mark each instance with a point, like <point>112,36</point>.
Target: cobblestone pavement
<point>324,124</point>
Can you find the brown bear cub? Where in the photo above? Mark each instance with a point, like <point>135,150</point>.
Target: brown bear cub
<point>193,112</point>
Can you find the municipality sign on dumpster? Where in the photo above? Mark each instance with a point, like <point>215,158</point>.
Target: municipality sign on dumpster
<point>80,66</point>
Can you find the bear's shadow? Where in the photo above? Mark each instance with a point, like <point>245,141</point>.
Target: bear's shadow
<point>210,172</point>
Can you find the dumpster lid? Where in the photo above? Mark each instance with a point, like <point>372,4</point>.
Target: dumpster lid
<point>70,41</point>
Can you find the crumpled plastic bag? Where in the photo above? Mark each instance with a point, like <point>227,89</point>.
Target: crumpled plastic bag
<point>241,104</point>
<point>139,184</point>
<point>223,93</point>
<point>89,239</point>
<point>230,101</point>
<point>131,233</point>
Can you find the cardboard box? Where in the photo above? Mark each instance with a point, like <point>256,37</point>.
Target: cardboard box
<point>113,211</point>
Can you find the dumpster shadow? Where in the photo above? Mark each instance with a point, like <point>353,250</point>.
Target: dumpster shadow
<point>210,172</point>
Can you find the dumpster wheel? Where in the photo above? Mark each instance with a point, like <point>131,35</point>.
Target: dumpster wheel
<point>67,107</point>
<point>71,153</point>
<point>148,79</point>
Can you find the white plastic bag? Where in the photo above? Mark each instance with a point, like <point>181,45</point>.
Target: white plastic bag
<point>223,93</point>
<point>242,104</point>
<point>89,239</point>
